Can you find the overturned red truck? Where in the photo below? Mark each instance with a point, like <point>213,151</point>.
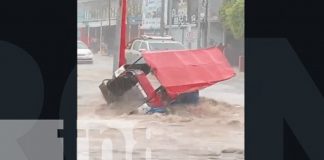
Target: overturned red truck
<point>178,73</point>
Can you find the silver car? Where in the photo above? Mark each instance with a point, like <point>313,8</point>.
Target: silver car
<point>84,53</point>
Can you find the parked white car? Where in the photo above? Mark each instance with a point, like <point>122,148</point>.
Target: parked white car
<point>150,43</point>
<point>84,53</point>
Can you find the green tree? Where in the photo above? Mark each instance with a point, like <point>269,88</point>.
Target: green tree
<point>232,16</point>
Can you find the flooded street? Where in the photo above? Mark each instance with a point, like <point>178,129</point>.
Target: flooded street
<point>212,130</point>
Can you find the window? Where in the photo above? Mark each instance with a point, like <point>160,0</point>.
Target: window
<point>165,46</point>
<point>144,46</point>
<point>82,46</point>
<point>136,45</point>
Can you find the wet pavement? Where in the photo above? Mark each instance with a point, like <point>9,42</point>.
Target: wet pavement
<point>213,131</point>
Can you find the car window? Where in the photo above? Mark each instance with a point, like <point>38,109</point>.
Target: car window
<point>165,46</point>
<point>144,46</point>
<point>82,46</point>
<point>136,45</point>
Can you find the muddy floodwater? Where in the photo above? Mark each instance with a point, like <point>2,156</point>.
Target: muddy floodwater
<point>214,129</point>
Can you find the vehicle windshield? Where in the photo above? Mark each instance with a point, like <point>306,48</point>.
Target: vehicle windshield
<point>82,46</point>
<point>165,46</point>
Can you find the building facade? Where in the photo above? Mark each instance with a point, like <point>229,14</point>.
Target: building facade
<point>98,20</point>
<point>185,20</point>
<point>195,23</point>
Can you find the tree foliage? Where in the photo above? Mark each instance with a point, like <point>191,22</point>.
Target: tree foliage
<point>232,16</point>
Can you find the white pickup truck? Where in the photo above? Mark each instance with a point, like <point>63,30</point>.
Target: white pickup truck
<point>149,43</point>
<point>154,43</point>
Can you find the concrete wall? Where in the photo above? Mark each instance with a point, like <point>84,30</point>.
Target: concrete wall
<point>181,35</point>
<point>215,32</point>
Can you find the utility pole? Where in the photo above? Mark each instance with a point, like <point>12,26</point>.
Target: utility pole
<point>100,39</point>
<point>109,10</point>
<point>162,25</point>
<point>117,41</point>
<point>206,24</point>
<point>224,34</point>
<point>183,33</point>
<point>88,28</point>
<point>123,33</point>
<point>198,27</point>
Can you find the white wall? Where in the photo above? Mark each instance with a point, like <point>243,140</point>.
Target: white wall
<point>176,33</point>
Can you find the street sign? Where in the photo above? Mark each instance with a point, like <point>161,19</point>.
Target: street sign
<point>152,10</point>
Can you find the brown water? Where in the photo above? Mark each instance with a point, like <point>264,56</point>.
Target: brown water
<point>212,130</point>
